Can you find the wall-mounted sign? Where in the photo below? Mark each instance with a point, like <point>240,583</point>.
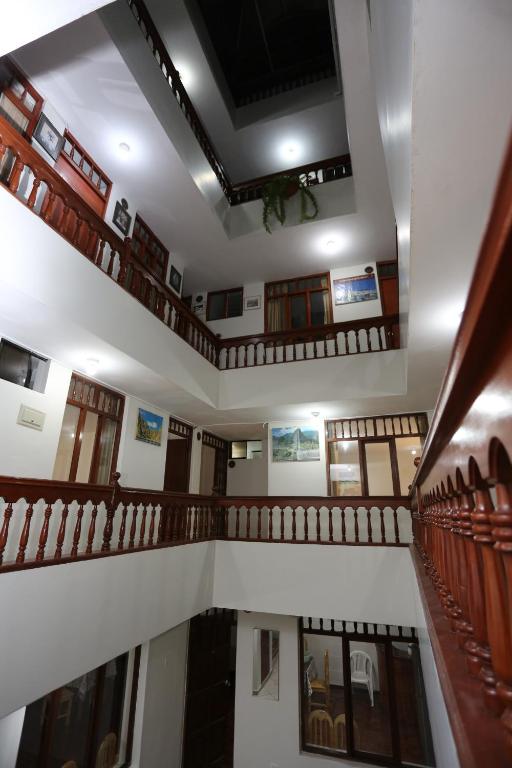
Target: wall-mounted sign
<point>295,444</point>
<point>349,290</point>
<point>149,427</point>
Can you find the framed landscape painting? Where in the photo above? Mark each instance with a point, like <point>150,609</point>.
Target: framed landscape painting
<point>149,427</point>
<point>349,290</point>
<point>295,444</point>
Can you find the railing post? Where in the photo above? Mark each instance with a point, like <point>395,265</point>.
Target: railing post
<point>111,508</point>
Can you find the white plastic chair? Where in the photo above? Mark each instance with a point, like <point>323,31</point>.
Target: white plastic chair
<point>361,670</point>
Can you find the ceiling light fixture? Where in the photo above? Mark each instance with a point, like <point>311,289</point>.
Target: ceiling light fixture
<point>315,414</point>
<point>124,147</point>
<point>91,366</point>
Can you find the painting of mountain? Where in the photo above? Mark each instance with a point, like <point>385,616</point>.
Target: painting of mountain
<point>295,444</point>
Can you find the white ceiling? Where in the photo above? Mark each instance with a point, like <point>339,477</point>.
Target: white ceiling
<point>83,75</point>
<point>315,127</point>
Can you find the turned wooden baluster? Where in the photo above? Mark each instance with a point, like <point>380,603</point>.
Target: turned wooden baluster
<point>306,530</point>
<point>48,205</point>
<point>33,193</point>
<point>282,525</point>
<point>395,521</point>
<point>20,557</point>
<point>4,533</point>
<point>369,524</point>
<point>142,532</point>
<point>294,524</point>
<point>259,523</point>
<point>122,527</point>
<point>151,533</point>
<point>188,530</point>
<point>270,523</point>
<point>43,536</point>
<point>133,526</point>
<point>382,526</point>
<point>356,525</point>
<point>62,532</point>
<point>331,532</point>
<point>78,530</point>
<point>15,175</point>
<point>237,523</point>
<point>92,530</point>
<point>343,526</point>
<point>248,523</point>
<point>318,531</point>
<point>111,507</point>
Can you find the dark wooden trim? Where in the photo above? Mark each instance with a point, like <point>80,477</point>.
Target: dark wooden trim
<point>145,247</point>
<point>479,738</point>
<point>133,706</point>
<point>299,292</point>
<point>33,116</point>
<point>94,167</point>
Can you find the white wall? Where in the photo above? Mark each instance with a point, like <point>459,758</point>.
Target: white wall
<point>249,477</point>
<point>360,309</point>
<point>141,465</point>
<point>278,578</point>
<point>266,731</point>
<point>293,478</point>
<point>164,700</point>
<point>26,452</point>
<point>85,613</point>
<point>10,735</point>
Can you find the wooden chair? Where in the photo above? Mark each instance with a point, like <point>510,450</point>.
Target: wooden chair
<point>107,757</point>
<point>70,764</point>
<point>320,729</point>
<point>340,733</point>
<point>322,687</point>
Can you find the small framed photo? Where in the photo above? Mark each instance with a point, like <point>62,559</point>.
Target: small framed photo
<point>121,217</point>
<point>149,427</point>
<point>175,279</point>
<point>349,290</point>
<point>252,302</point>
<point>48,137</point>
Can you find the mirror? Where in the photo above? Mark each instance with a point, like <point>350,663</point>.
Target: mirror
<point>265,665</point>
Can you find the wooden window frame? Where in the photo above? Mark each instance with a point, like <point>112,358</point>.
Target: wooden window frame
<point>68,136</point>
<point>102,416</point>
<point>345,636</point>
<point>363,440</point>
<point>249,440</point>
<point>303,292</point>
<point>226,293</point>
<point>220,472</point>
<point>145,247</point>
<point>33,116</point>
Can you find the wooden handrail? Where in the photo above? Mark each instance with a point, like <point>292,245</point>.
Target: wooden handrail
<point>46,522</point>
<point>322,171</point>
<point>462,507</point>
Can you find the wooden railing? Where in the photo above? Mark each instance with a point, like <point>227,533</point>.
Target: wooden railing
<point>463,508</point>
<point>315,173</point>
<point>46,522</point>
<point>372,334</point>
<point>34,183</point>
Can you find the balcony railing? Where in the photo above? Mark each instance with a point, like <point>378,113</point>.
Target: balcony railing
<point>45,522</point>
<point>463,508</point>
<point>25,174</point>
<point>314,173</point>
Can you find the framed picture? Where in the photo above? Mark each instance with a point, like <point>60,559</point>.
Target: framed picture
<point>252,302</point>
<point>295,444</point>
<point>121,217</point>
<point>349,290</point>
<point>149,427</point>
<point>48,137</point>
<point>175,279</point>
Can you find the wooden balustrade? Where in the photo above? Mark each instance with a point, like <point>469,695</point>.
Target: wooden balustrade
<point>373,334</point>
<point>462,515</point>
<point>323,171</point>
<point>45,522</point>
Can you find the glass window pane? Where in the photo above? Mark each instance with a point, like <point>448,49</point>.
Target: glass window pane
<point>344,470</point>
<point>239,449</point>
<point>276,314</point>
<point>319,303</point>
<point>378,467</point>
<point>323,693</point>
<point>235,303</point>
<point>407,448</point>
<point>66,443</point>
<point>106,449</point>
<point>370,698</point>
<point>298,311</point>
<point>253,449</point>
<point>32,733</point>
<point>72,720</point>
<point>216,306</point>
<point>415,737</point>
<point>108,729</point>
<point>87,447</point>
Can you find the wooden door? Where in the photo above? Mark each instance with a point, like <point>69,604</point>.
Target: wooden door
<point>177,465</point>
<point>210,698</point>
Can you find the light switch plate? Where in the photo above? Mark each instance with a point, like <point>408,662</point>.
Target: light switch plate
<point>29,417</point>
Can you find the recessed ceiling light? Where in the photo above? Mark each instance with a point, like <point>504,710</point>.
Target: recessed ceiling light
<point>413,453</point>
<point>315,414</point>
<point>91,366</point>
<point>124,147</point>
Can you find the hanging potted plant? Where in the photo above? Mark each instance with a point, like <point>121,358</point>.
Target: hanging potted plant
<point>276,192</point>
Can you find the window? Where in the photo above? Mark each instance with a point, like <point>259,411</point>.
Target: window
<point>148,249</point>
<point>303,302</point>
<point>82,721</point>
<point>20,103</point>
<point>85,176</point>
<point>89,437</point>
<point>245,449</point>
<point>374,456</point>
<point>362,693</point>
<point>223,304</point>
<point>22,367</point>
